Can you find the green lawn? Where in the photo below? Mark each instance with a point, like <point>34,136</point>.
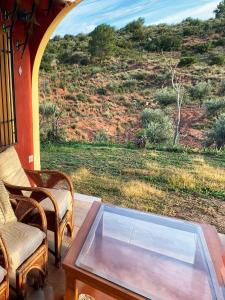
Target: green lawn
<point>188,186</point>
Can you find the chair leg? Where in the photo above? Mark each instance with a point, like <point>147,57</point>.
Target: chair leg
<point>70,226</point>
<point>21,287</point>
<point>58,249</point>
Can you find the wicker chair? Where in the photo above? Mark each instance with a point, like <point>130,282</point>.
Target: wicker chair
<point>25,243</point>
<point>4,281</point>
<point>52,189</point>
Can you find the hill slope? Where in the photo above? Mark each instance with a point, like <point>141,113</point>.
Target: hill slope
<point>108,96</point>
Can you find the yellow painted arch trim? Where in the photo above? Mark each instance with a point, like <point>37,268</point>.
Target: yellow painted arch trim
<point>35,76</point>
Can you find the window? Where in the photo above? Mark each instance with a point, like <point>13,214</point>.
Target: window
<point>7,91</point>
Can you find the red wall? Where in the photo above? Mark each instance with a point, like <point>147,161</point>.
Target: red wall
<point>23,83</point>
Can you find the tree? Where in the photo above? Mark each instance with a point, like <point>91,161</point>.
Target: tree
<point>137,29</point>
<point>177,85</point>
<point>158,127</point>
<point>102,42</point>
<point>217,134</point>
<point>220,10</point>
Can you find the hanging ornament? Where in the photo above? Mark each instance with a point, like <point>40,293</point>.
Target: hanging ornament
<point>20,71</point>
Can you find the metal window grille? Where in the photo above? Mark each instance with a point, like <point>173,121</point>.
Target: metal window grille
<point>8,133</point>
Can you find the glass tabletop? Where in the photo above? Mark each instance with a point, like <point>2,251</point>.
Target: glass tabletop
<point>154,256</point>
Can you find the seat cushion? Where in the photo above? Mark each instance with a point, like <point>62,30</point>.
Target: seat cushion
<point>6,212</point>
<point>21,241</point>
<point>2,274</point>
<point>11,170</point>
<point>62,197</point>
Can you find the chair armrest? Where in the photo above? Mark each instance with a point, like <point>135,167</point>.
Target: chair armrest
<point>24,207</point>
<point>4,255</point>
<point>49,178</point>
<point>37,193</point>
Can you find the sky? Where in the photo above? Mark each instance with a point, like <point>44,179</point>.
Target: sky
<point>90,13</point>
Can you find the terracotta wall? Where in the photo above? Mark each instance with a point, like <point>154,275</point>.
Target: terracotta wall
<point>23,81</point>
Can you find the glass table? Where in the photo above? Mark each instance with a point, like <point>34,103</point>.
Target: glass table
<point>151,256</point>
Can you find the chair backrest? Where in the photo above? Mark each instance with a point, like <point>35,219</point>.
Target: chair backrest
<point>6,212</point>
<point>11,170</point>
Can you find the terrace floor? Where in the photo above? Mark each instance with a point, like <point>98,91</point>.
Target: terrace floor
<point>55,288</point>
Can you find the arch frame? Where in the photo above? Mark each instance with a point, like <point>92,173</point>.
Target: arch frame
<point>35,78</point>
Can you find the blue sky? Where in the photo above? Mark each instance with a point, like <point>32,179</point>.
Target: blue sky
<point>90,13</point>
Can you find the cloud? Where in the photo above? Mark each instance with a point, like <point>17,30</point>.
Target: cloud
<point>90,13</point>
<point>205,11</point>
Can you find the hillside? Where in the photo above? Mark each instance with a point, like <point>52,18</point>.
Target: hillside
<point>97,99</point>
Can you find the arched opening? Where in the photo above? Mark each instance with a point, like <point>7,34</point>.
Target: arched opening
<point>35,75</point>
<point>138,177</point>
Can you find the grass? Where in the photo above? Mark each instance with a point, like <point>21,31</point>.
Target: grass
<point>186,185</point>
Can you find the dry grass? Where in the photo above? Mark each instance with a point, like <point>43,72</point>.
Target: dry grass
<point>211,177</point>
<point>138,189</point>
<point>182,185</point>
<point>179,179</point>
<point>80,174</point>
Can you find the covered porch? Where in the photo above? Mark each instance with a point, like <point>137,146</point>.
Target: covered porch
<point>26,27</point>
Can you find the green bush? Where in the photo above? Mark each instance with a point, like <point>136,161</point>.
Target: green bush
<point>129,85</point>
<point>222,88</point>
<point>200,91</point>
<point>101,91</point>
<point>203,48</point>
<point>159,127</point>
<point>165,42</point>
<point>216,136</point>
<point>82,97</point>
<point>187,61</point>
<point>217,59</point>
<point>101,137</point>
<point>141,138</point>
<point>214,106</point>
<point>166,96</point>
<point>70,97</point>
<point>219,42</point>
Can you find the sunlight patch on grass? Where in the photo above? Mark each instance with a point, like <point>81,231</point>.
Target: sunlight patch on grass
<point>211,177</point>
<point>135,188</point>
<point>80,174</point>
<point>179,179</point>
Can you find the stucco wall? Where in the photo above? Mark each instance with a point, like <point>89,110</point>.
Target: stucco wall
<point>23,82</point>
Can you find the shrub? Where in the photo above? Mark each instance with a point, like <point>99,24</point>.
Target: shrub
<point>222,88</point>
<point>130,85</point>
<point>165,42</point>
<point>70,97</point>
<point>217,59</point>
<point>203,48</point>
<point>101,137</point>
<point>200,91</point>
<point>159,127</point>
<point>219,42</point>
<point>166,96</point>
<point>187,61</point>
<point>214,106</point>
<point>101,91</point>
<point>217,134</point>
<point>141,138</point>
<point>82,97</point>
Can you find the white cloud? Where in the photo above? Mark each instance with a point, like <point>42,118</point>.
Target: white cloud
<point>202,11</point>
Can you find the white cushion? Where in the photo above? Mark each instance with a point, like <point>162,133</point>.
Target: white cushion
<point>21,241</point>
<point>63,197</point>
<point>2,274</point>
<point>11,170</point>
<point>6,211</point>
